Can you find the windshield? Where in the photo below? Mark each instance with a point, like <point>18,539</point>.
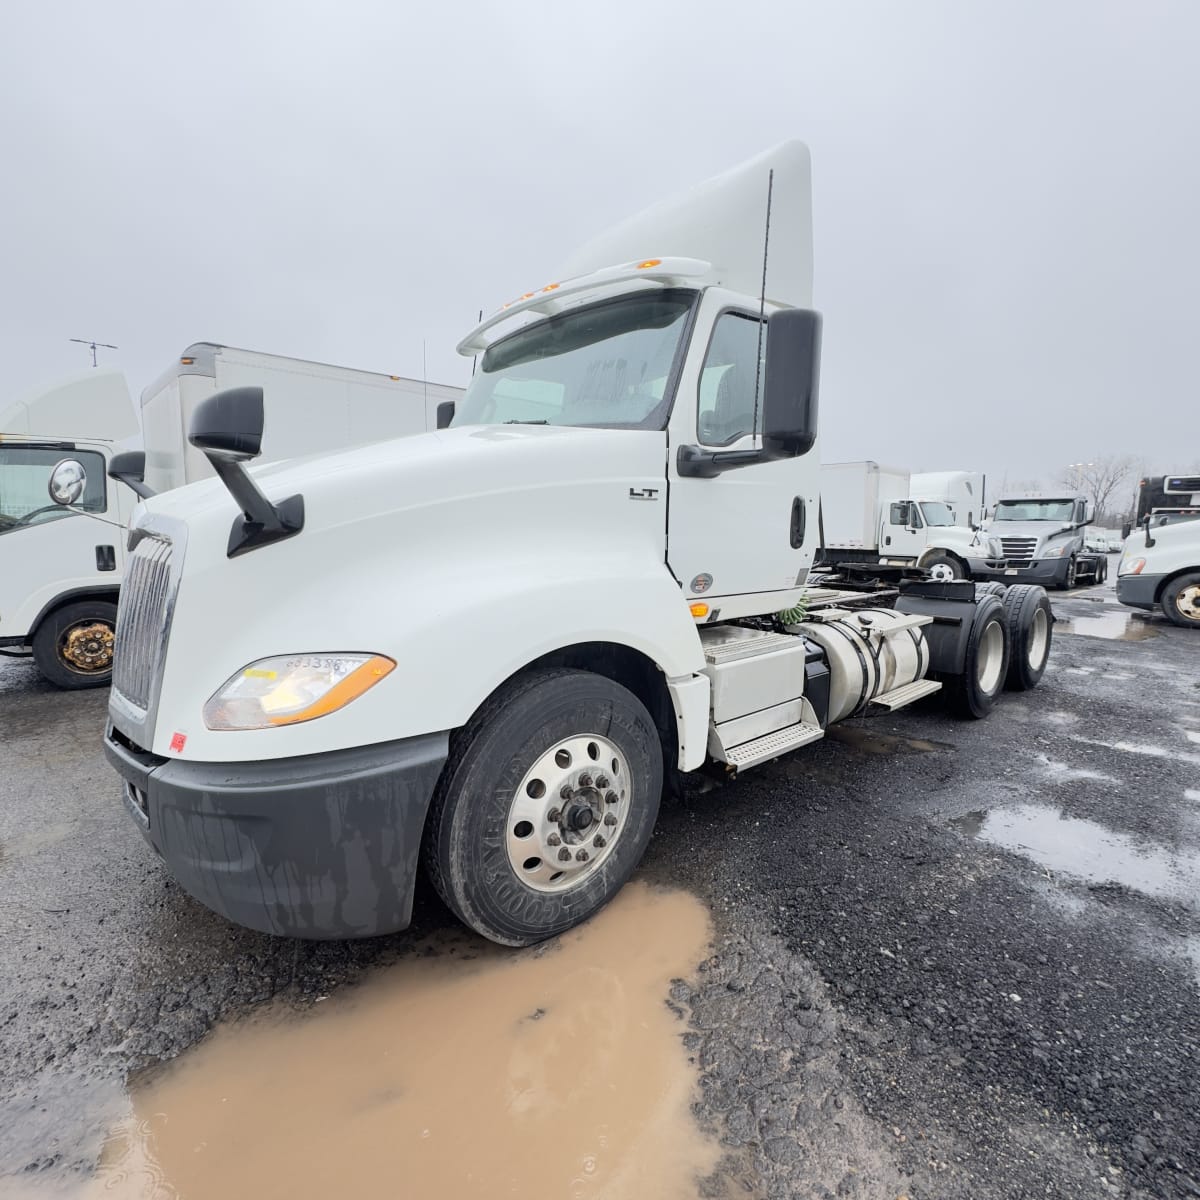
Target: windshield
<point>1035,510</point>
<point>24,474</point>
<point>605,365</point>
<point>936,513</point>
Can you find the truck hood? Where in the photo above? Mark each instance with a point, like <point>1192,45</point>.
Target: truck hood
<point>1167,538</point>
<point>447,466</point>
<point>1044,533</point>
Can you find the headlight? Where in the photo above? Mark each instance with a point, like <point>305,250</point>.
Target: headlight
<point>1132,566</point>
<point>292,688</point>
<point>995,547</point>
<point>1056,551</point>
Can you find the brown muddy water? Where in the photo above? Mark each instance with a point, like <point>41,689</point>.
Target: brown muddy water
<point>1112,625</point>
<point>869,741</point>
<point>468,1071</point>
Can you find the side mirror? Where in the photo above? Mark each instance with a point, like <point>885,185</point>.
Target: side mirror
<point>229,425</point>
<point>791,381</point>
<point>67,482</point>
<point>445,414</point>
<point>1126,530</point>
<point>129,468</point>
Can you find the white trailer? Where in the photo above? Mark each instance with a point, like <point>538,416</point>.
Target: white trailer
<point>490,647</point>
<point>310,406</point>
<point>873,515</point>
<point>60,580</point>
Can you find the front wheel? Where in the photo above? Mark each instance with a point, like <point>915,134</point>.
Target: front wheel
<point>1181,600</point>
<point>1068,580</point>
<point>944,567</point>
<point>546,805</point>
<point>73,646</point>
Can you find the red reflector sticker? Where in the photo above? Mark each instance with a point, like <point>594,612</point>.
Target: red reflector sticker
<point>178,741</point>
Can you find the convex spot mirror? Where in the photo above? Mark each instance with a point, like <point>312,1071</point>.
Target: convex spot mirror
<point>68,479</point>
<point>791,379</point>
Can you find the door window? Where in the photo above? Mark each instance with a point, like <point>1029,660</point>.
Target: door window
<point>728,378</point>
<point>24,474</point>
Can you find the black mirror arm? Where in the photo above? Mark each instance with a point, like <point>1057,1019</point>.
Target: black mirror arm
<point>261,521</point>
<point>699,463</point>
<point>134,483</point>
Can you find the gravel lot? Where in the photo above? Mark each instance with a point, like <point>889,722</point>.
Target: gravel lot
<point>951,959</point>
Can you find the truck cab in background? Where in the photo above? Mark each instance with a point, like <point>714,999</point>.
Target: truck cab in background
<point>61,569</point>
<point>1040,539</point>
<point>964,493</point>
<point>1160,566</point>
<point>877,515</point>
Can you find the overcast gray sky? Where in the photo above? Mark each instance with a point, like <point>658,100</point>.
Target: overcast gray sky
<point>1007,195</point>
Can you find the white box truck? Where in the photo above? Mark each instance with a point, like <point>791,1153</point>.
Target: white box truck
<point>60,571</point>
<point>60,580</point>
<point>491,646</point>
<point>1160,566</point>
<point>871,515</point>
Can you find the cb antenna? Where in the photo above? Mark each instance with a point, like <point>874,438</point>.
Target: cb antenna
<point>475,358</point>
<point>762,300</point>
<point>93,345</point>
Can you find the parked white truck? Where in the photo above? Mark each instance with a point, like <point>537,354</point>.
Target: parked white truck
<point>59,581</point>
<point>876,515</point>
<point>491,646</point>
<point>59,570</point>
<point>1041,540</point>
<point>1160,566</point>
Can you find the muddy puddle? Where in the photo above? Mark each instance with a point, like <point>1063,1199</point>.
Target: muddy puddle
<point>469,1071</point>
<point>869,741</point>
<point>1086,850</point>
<point>1113,626</point>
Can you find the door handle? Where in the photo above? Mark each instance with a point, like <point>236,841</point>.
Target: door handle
<point>106,558</point>
<point>798,522</point>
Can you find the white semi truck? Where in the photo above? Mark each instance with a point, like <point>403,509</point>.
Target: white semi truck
<point>59,581</point>
<point>1160,566</point>
<point>879,516</point>
<point>490,647</point>
<point>1039,538</point>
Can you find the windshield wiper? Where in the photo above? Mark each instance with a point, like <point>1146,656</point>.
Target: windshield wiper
<point>514,421</point>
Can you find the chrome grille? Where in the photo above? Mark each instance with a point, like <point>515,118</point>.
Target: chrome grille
<point>1019,549</point>
<point>141,619</point>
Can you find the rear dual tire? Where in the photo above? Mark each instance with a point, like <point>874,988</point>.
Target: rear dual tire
<point>973,692</point>
<point>1029,622</point>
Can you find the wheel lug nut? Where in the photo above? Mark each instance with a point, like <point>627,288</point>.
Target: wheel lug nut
<point>564,855</point>
<point>611,798</point>
<point>554,840</point>
<point>599,842</point>
<point>553,815</point>
<point>602,782</point>
<point>585,780</point>
<point>581,856</point>
<point>610,818</point>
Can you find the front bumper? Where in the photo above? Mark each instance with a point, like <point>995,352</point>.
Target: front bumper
<point>1040,570</point>
<point>323,846</point>
<point>1138,591</point>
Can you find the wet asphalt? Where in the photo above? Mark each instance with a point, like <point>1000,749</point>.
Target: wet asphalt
<point>951,959</point>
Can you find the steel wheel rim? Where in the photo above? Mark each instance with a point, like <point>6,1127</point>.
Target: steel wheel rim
<point>86,647</point>
<point>551,843</point>
<point>1188,602</point>
<point>990,658</point>
<point>1039,639</point>
<point>942,572</point>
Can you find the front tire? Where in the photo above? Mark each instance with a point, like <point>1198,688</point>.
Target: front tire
<point>546,805</point>
<point>944,567</point>
<point>73,646</point>
<point>1068,580</point>
<point>1030,624</point>
<point>1181,601</point>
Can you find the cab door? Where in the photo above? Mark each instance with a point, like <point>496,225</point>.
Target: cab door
<point>903,533</point>
<point>751,529</point>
